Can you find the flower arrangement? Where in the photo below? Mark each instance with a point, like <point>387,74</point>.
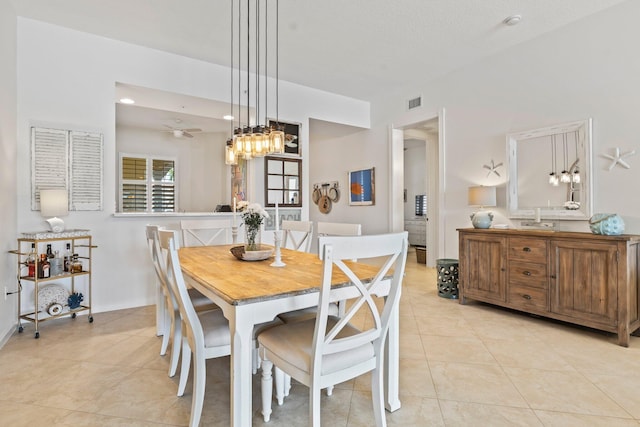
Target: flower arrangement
<point>253,215</point>
<point>242,205</point>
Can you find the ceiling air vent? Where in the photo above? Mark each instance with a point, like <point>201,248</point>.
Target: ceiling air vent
<point>415,103</point>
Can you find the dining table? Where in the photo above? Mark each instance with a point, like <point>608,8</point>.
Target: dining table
<point>253,292</point>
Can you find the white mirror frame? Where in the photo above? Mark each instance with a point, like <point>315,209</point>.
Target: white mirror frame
<point>584,130</point>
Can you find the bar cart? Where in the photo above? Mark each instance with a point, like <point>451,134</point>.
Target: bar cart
<point>57,292</point>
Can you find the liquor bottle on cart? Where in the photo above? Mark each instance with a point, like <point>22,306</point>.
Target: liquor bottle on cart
<point>31,261</point>
<point>44,268</point>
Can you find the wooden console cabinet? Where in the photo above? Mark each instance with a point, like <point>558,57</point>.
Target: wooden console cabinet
<point>582,278</point>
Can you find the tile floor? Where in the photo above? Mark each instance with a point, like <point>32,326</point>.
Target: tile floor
<point>472,365</point>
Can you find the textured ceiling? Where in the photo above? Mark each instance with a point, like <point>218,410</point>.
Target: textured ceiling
<point>358,48</point>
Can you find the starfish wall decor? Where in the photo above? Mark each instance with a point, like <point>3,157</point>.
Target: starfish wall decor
<point>493,168</point>
<point>618,159</point>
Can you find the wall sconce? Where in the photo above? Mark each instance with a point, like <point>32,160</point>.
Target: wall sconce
<point>483,197</point>
<point>54,202</point>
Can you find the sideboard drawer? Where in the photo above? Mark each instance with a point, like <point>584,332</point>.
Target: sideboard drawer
<point>525,297</point>
<point>528,274</point>
<point>530,250</point>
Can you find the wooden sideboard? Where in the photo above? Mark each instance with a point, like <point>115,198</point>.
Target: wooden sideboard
<point>581,278</point>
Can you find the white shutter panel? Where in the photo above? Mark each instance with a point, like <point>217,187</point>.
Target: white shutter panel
<point>86,171</point>
<point>49,161</point>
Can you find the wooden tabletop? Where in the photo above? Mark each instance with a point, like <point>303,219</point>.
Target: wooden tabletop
<point>241,282</point>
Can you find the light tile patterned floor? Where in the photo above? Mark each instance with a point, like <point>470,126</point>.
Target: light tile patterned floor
<point>472,365</point>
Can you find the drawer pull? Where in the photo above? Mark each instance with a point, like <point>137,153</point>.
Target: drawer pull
<point>525,296</point>
<point>526,249</point>
<point>526,273</point>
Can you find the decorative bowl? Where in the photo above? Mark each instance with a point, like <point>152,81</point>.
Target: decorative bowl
<point>607,224</point>
<point>241,254</point>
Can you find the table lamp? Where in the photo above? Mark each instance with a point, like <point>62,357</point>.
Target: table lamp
<point>482,196</point>
<point>54,202</point>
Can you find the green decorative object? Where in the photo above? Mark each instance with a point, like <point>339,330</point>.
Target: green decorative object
<point>447,278</point>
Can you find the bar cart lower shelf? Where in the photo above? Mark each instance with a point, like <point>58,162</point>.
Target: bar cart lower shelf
<point>71,288</point>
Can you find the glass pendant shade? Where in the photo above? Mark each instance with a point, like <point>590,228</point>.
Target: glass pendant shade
<point>276,141</point>
<point>576,177</point>
<point>565,177</point>
<point>230,155</point>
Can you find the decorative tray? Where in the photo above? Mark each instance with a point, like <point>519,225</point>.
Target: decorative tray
<point>241,254</point>
<point>51,235</point>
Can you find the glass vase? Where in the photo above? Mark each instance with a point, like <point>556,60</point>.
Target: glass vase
<point>252,238</point>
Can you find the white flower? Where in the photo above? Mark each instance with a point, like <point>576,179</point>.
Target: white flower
<point>256,208</point>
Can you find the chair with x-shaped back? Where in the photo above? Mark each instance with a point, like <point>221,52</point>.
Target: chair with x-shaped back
<point>297,235</point>
<point>328,350</point>
<point>206,232</point>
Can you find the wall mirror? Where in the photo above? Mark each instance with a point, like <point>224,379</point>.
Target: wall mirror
<point>283,181</point>
<point>550,170</point>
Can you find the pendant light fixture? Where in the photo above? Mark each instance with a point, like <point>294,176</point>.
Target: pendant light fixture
<point>565,177</point>
<point>553,177</point>
<point>230,157</point>
<point>255,138</point>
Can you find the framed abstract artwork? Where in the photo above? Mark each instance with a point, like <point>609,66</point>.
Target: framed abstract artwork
<point>362,190</point>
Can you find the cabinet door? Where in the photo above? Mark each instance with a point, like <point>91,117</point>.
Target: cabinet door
<point>584,281</point>
<point>482,269</point>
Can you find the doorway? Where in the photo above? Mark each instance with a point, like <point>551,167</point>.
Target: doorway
<point>430,129</point>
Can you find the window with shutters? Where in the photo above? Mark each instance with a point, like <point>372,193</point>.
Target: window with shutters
<point>147,184</point>
<point>69,159</point>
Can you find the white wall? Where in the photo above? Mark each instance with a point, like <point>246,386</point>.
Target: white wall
<point>8,219</point>
<point>594,74</point>
<point>333,158</point>
<point>68,78</point>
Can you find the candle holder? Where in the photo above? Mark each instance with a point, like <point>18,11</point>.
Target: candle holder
<point>234,234</point>
<point>277,239</point>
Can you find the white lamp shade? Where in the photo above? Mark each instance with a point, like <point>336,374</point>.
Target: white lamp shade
<point>54,202</point>
<point>482,196</point>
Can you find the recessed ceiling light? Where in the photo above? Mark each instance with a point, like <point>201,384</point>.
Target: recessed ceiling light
<point>127,101</point>
<point>512,20</point>
<point>227,117</point>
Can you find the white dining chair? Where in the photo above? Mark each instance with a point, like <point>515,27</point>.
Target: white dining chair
<point>206,334</point>
<point>207,232</point>
<point>329,350</point>
<point>172,327</point>
<point>337,308</point>
<point>163,322</point>
<point>297,235</point>
<point>338,229</point>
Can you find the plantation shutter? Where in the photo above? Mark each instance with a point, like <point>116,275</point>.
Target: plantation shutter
<point>49,161</point>
<point>163,186</point>
<point>67,159</point>
<point>134,184</point>
<point>86,172</point>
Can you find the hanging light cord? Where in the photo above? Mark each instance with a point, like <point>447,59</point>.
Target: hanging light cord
<point>553,155</point>
<point>277,62</point>
<point>231,51</point>
<point>566,151</point>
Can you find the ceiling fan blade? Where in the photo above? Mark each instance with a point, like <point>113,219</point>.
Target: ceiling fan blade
<point>170,127</point>
<point>192,130</point>
<point>187,134</point>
